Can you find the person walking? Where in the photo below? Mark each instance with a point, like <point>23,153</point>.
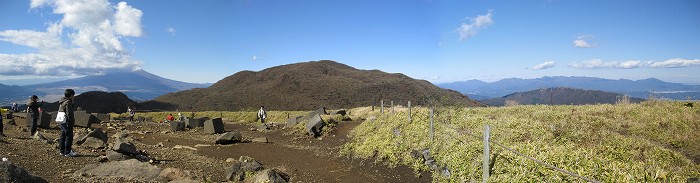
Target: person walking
<point>131,113</point>
<point>262,115</point>
<point>33,110</point>
<point>65,141</point>
<point>15,108</point>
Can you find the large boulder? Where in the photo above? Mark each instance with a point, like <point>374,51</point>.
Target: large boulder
<point>314,126</point>
<point>195,122</point>
<point>84,119</point>
<point>229,138</point>
<point>132,170</point>
<point>213,126</point>
<point>177,126</point>
<point>124,147</point>
<point>171,174</point>
<point>269,176</point>
<point>95,143</point>
<point>116,156</point>
<point>45,120</point>
<point>101,117</point>
<point>238,168</point>
<point>96,133</point>
<point>11,173</point>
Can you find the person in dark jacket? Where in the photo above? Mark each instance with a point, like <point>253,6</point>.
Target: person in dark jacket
<point>33,110</point>
<point>1,127</point>
<point>66,139</point>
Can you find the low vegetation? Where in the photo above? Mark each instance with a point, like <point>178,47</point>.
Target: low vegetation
<point>652,141</point>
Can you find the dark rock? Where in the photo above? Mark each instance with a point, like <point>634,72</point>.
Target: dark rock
<point>45,120</point>
<point>124,147</point>
<point>229,138</point>
<point>213,126</point>
<point>238,168</point>
<point>96,133</point>
<point>116,156</point>
<point>341,112</point>
<point>95,143</point>
<point>689,104</point>
<point>133,170</point>
<point>101,117</point>
<point>314,126</point>
<point>11,173</point>
<point>269,176</point>
<point>83,119</point>
<point>177,126</point>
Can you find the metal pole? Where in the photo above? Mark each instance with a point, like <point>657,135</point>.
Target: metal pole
<point>487,154</point>
<point>409,111</point>
<point>431,125</point>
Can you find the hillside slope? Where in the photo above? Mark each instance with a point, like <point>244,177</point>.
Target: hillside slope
<point>559,96</point>
<point>98,102</point>
<point>308,85</point>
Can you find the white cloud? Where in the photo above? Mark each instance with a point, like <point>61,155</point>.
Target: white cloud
<point>255,58</point>
<point>545,65</point>
<point>599,64</point>
<point>171,30</point>
<point>582,41</point>
<point>676,62</point>
<point>467,31</point>
<point>95,29</point>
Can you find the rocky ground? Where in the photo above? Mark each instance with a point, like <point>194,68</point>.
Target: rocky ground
<point>195,156</point>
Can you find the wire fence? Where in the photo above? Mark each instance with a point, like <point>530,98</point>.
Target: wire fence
<point>430,119</point>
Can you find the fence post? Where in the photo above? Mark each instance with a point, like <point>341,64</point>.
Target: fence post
<point>431,124</point>
<point>392,107</point>
<point>409,112</point>
<point>382,109</point>
<point>487,153</point>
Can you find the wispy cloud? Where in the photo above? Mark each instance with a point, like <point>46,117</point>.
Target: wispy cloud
<point>95,30</point>
<point>468,30</point>
<point>599,64</point>
<point>255,58</point>
<point>171,30</point>
<point>545,65</point>
<point>582,41</point>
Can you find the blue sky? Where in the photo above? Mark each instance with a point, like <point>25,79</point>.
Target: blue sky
<point>440,41</point>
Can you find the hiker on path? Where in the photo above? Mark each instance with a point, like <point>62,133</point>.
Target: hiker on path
<point>262,115</point>
<point>131,113</point>
<point>34,112</point>
<point>66,139</point>
<point>15,108</point>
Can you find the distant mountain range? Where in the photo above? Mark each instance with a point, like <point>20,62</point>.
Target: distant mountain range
<point>559,96</point>
<point>137,85</point>
<point>640,88</point>
<point>308,85</point>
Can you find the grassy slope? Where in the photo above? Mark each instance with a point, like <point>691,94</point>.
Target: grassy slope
<point>649,142</point>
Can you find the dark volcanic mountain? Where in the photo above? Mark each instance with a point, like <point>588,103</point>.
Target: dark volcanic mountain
<point>639,88</point>
<point>308,85</point>
<point>98,102</point>
<point>138,85</point>
<point>559,96</point>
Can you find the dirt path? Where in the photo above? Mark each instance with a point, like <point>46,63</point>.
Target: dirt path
<point>304,159</point>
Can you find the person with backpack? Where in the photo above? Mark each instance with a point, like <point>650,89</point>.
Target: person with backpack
<point>2,135</point>
<point>34,112</point>
<point>65,141</point>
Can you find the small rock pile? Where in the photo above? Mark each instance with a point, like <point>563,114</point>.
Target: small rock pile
<point>245,166</point>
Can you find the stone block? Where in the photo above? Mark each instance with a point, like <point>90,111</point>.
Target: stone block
<point>101,117</point>
<point>124,147</point>
<point>213,126</point>
<point>96,133</point>
<point>83,119</point>
<point>293,121</point>
<point>229,138</point>
<point>195,122</point>
<point>270,176</point>
<point>45,120</point>
<point>314,125</point>
<point>95,143</point>
<point>177,126</point>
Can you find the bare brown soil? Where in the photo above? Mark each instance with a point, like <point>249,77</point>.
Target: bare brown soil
<point>304,159</point>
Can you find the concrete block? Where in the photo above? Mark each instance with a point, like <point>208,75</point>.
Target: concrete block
<point>177,126</point>
<point>83,119</point>
<point>195,122</point>
<point>215,125</point>
<point>293,121</point>
<point>101,117</point>
<point>314,125</point>
<point>229,138</point>
<point>45,120</point>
